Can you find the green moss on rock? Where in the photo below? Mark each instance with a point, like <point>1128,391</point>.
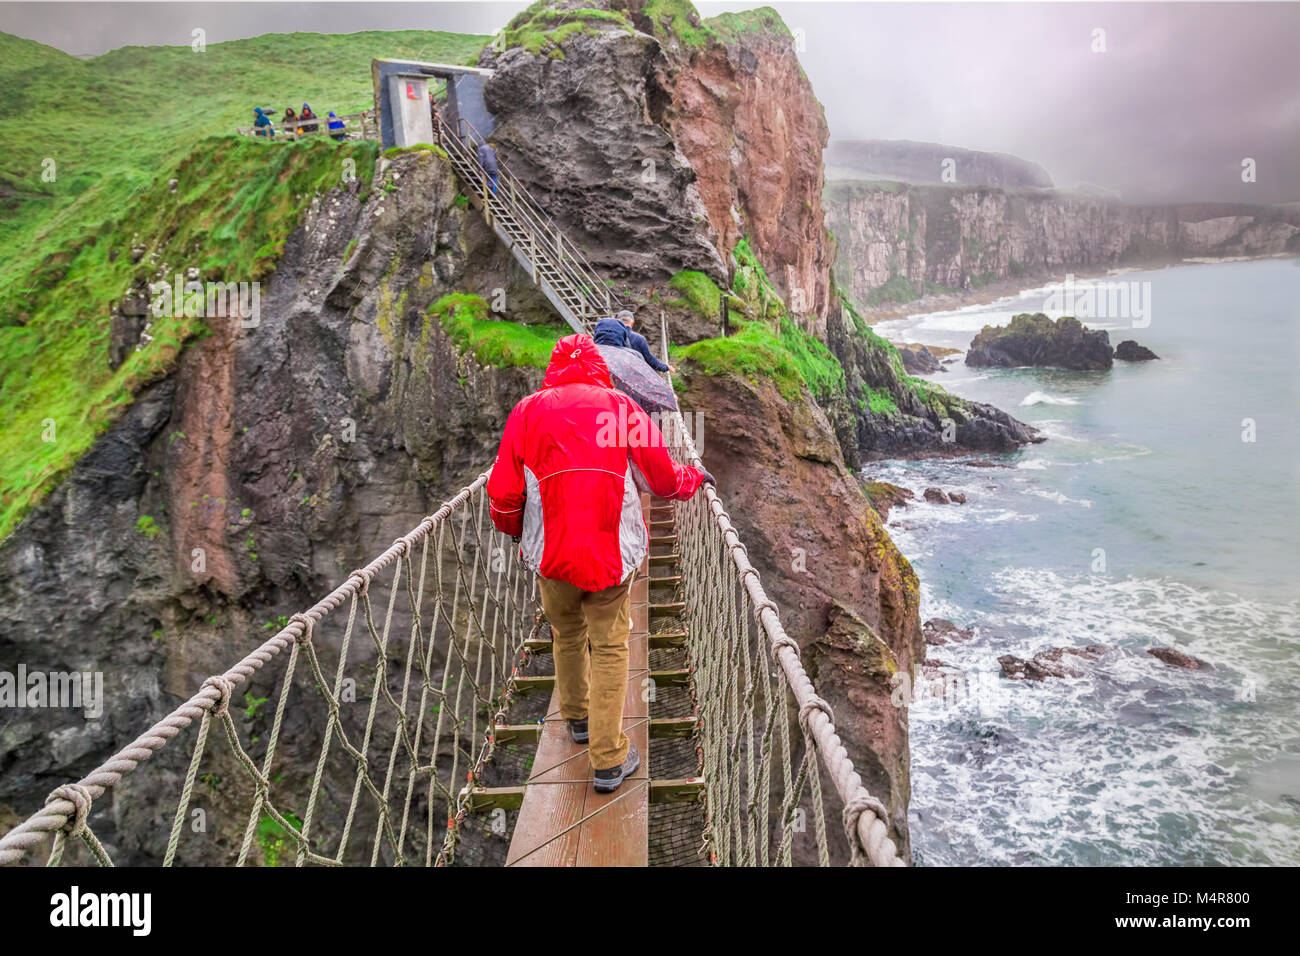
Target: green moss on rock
<point>542,30</point>
<point>491,341</point>
<point>698,293</point>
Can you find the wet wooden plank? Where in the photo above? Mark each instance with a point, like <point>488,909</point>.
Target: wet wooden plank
<point>563,820</point>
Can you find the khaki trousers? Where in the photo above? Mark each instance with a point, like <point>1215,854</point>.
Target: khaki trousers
<point>590,631</point>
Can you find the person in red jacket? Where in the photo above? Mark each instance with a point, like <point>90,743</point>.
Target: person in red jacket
<point>565,486</point>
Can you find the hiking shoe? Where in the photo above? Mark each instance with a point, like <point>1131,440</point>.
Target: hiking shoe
<point>607,781</point>
<point>578,728</point>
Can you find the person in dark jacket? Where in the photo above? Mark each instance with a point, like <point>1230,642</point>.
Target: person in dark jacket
<point>307,114</point>
<point>263,122</point>
<point>618,331</point>
<point>336,128</point>
<point>487,158</point>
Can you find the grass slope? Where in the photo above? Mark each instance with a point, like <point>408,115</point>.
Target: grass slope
<point>235,203</point>
<point>114,130</point>
<point>128,114</point>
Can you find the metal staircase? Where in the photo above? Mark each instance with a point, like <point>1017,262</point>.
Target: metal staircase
<point>556,266</point>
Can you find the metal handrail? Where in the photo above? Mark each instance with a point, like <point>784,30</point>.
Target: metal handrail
<point>543,231</point>
<point>525,232</point>
<point>583,272</point>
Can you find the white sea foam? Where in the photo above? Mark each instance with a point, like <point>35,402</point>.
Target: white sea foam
<point>1059,498</point>
<point>1033,464</point>
<point>998,517</point>
<point>1135,761</point>
<point>1046,398</point>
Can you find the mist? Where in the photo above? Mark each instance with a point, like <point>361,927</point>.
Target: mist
<point>1164,104</point>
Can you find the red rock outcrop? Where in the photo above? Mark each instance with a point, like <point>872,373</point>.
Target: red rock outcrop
<point>745,116</point>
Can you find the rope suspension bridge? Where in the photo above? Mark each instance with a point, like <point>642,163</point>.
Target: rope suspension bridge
<point>416,691</point>
<point>456,644</point>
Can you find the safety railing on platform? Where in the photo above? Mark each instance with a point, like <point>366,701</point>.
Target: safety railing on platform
<point>752,714</point>
<point>361,125</point>
<point>393,732</point>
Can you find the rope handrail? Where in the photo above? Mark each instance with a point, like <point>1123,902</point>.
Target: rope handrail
<point>508,590</point>
<point>709,542</point>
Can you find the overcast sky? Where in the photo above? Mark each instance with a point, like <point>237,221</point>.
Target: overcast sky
<point>1180,96</point>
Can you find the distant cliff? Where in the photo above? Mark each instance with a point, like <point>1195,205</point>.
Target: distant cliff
<point>905,161</point>
<point>897,242</point>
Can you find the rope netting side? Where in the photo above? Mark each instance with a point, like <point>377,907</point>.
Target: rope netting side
<point>441,662</point>
<point>747,670</point>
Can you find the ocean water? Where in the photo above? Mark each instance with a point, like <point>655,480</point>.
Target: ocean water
<point>1145,520</point>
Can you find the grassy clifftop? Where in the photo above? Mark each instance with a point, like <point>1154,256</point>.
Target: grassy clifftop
<point>231,207</point>
<point>88,212</point>
<point>111,124</point>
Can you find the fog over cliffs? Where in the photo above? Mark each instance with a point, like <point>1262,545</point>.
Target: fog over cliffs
<point>1161,106</point>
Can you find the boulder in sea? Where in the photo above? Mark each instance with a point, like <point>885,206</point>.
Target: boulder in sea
<point>936,496</point>
<point>884,496</point>
<point>1130,351</point>
<point>956,497</point>
<point>1037,340</point>
<point>1176,658</point>
<point>919,360</point>
<point>1048,663</point>
<point>939,631</point>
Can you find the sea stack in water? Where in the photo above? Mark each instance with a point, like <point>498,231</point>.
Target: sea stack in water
<point>1037,340</point>
<point>1130,351</point>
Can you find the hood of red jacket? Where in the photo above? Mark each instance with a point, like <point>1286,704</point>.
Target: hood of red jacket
<point>575,358</point>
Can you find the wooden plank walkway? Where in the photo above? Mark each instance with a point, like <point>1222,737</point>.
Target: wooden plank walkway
<point>563,820</point>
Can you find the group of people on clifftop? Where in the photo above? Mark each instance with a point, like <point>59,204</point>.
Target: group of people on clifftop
<point>297,122</point>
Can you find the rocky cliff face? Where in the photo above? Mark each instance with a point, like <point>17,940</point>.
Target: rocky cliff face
<point>290,454</point>
<point>892,415</point>
<point>897,241</point>
<point>585,134</point>
<point>745,116</point>
<point>658,153</point>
